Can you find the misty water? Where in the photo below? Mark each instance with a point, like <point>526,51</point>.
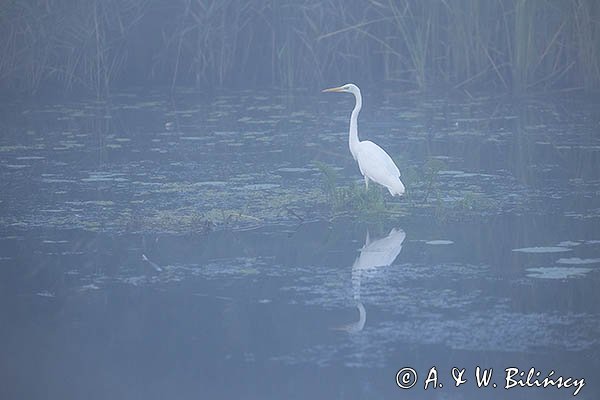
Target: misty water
<point>185,247</point>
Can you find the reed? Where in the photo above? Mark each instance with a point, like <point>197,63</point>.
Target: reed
<point>78,45</point>
<point>586,32</point>
<point>93,45</point>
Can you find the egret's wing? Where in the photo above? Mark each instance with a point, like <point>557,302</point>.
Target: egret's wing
<point>375,163</point>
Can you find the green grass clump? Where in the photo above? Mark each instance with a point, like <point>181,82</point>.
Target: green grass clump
<point>353,199</point>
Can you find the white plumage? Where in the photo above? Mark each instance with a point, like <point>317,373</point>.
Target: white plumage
<point>374,163</point>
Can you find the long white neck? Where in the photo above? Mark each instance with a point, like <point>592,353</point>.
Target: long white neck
<point>353,135</point>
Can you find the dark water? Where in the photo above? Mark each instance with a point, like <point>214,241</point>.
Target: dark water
<point>186,248</point>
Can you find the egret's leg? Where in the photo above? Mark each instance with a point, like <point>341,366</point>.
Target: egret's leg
<point>366,182</point>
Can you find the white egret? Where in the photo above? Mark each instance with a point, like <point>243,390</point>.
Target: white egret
<point>374,163</point>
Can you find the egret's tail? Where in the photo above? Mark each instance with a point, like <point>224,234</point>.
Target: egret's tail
<point>397,189</point>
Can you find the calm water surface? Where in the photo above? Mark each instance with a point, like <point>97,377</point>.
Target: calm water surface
<point>185,248</point>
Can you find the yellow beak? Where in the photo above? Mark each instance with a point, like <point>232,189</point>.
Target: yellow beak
<point>335,89</point>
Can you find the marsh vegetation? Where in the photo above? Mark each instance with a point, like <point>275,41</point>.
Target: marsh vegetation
<point>506,45</point>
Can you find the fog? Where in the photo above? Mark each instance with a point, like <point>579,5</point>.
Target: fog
<point>183,212</point>
<point>95,46</point>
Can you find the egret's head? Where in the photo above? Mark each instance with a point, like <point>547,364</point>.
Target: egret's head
<point>347,88</point>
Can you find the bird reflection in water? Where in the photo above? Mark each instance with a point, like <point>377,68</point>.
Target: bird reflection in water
<point>373,255</point>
